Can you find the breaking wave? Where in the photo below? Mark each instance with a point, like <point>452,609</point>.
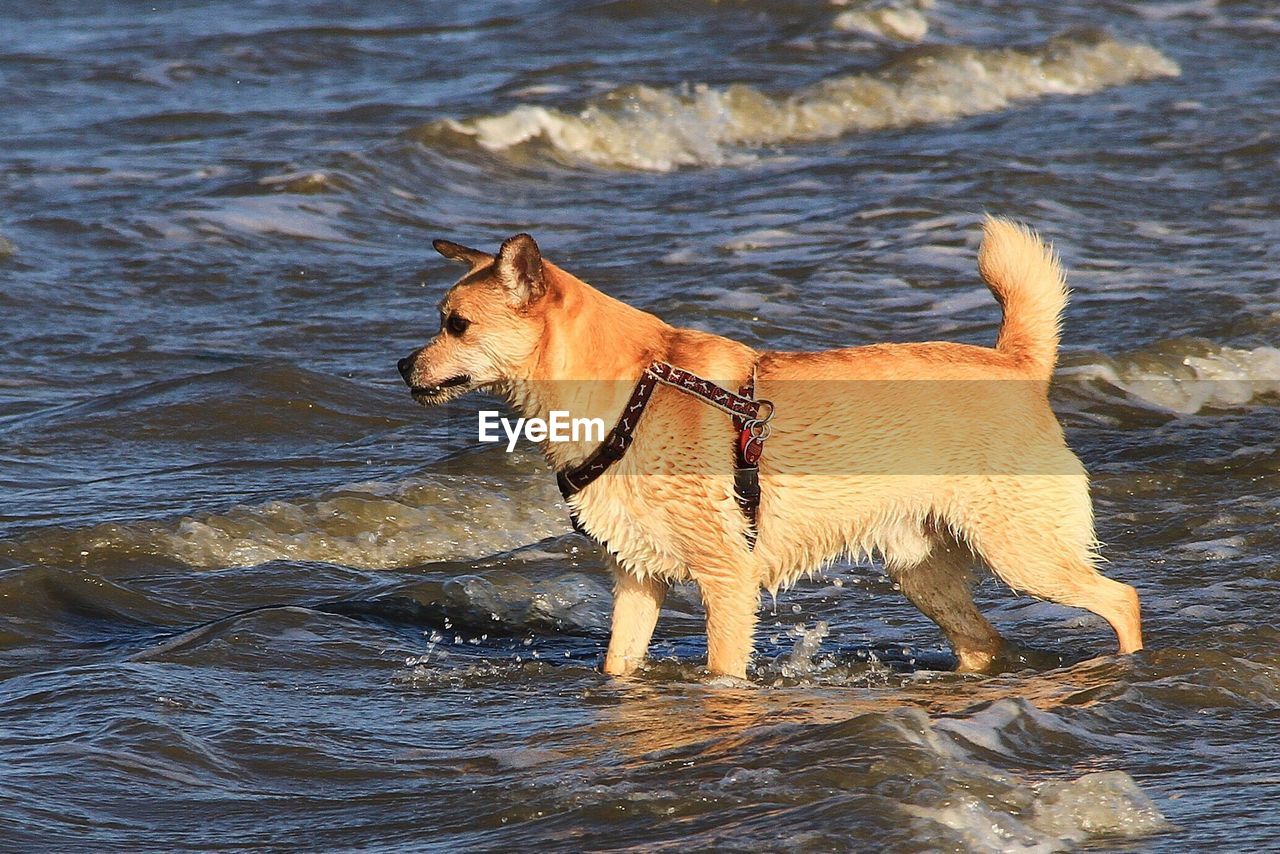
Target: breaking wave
<point>659,129</point>
<point>372,525</point>
<point>1186,377</point>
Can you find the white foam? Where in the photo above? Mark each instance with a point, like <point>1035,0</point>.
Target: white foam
<point>996,811</point>
<point>1102,805</point>
<point>1187,379</point>
<point>898,23</point>
<point>1107,803</point>
<point>643,127</point>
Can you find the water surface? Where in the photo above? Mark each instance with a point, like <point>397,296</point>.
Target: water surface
<point>251,595</point>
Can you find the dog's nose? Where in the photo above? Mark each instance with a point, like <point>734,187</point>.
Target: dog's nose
<point>405,365</point>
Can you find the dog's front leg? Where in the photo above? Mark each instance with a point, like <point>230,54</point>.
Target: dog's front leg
<point>731,602</point>
<point>636,602</point>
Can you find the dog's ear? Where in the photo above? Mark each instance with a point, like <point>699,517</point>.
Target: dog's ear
<point>520,268</point>
<point>457,252</point>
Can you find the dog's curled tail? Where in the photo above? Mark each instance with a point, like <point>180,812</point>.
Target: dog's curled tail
<point>1026,277</point>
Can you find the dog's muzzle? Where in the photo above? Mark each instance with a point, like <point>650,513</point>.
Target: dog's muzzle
<point>427,393</point>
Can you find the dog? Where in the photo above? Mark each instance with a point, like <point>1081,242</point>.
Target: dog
<point>934,457</point>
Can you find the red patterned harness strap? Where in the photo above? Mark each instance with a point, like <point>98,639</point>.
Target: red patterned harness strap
<point>751,417</point>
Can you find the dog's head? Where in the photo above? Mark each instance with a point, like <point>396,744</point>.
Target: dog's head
<point>490,323</point>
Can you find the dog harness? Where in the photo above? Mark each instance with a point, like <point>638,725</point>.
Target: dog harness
<point>751,417</point>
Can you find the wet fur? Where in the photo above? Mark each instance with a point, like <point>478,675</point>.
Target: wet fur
<point>932,457</point>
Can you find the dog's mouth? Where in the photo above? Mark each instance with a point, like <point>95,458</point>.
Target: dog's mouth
<point>433,393</point>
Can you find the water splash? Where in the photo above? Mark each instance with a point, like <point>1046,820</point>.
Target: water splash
<point>803,658</point>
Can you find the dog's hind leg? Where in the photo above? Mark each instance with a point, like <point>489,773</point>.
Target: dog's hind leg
<point>636,602</point>
<point>940,585</point>
<point>1034,558</point>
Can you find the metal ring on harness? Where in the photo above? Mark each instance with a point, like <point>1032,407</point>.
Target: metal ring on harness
<point>758,429</point>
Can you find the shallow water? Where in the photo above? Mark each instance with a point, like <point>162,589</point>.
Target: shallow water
<point>251,595</point>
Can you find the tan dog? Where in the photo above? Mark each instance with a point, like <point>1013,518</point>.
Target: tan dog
<point>932,456</point>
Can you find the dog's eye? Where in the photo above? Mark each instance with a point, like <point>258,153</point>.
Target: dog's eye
<point>456,324</point>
